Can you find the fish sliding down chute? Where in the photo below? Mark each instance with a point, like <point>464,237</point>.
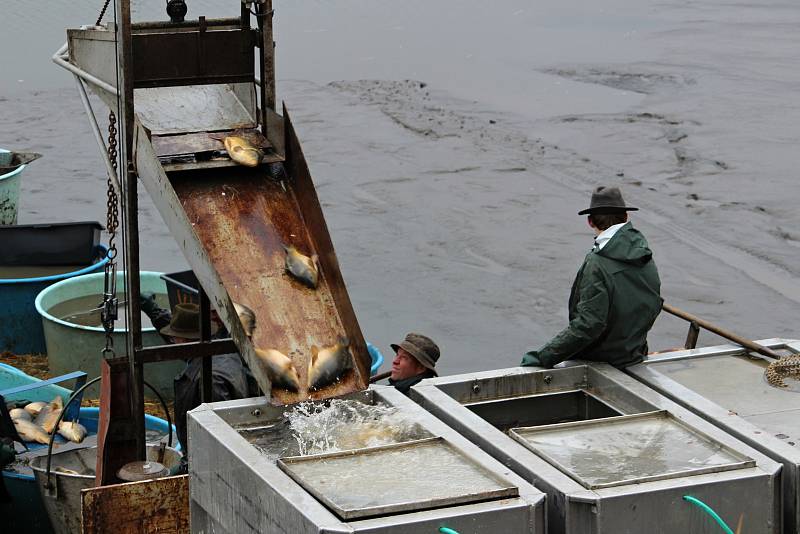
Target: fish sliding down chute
<point>229,178</point>
<point>263,244</point>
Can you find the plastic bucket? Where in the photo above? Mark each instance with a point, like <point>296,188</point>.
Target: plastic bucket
<point>20,323</point>
<point>9,190</point>
<point>72,347</point>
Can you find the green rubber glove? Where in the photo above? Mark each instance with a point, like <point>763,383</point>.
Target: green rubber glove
<point>147,301</point>
<point>531,359</point>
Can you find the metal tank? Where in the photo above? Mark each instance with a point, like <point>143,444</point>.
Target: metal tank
<point>726,386</point>
<point>612,455</point>
<point>237,488</point>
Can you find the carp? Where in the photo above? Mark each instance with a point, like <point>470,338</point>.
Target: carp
<point>242,151</point>
<point>329,364</point>
<point>72,430</point>
<point>302,267</point>
<point>34,408</point>
<point>30,431</point>
<point>280,369</point>
<point>246,317</point>
<point>49,415</point>
<point>19,413</point>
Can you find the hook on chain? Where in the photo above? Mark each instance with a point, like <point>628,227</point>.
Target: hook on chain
<point>110,305</point>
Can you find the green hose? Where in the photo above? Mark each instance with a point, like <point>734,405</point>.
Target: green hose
<point>707,509</point>
<point>445,530</point>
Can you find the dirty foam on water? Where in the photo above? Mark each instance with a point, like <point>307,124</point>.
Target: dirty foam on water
<point>394,477</point>
<point>316,428</point>
<point>628,449</point>
<point>86,310</point>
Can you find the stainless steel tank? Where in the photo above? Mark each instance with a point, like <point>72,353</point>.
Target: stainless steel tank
<point>727,387</point>
<point>612,455</point>
<point>237,488</point>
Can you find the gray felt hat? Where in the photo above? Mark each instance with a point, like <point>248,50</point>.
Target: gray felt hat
<point>606,200</point>
<point>185,322</point>
<point>422,348</point>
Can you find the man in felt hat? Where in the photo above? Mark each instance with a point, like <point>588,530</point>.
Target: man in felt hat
<point>415,359</point>
<point>184,324</point>
<point>616,295</point>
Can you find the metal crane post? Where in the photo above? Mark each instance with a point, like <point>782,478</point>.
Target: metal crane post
<point>130,206</point>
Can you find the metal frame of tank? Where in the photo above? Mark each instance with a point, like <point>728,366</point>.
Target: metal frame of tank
<point>649,506</point>
<point>731,421</point>
<point>236,489</point>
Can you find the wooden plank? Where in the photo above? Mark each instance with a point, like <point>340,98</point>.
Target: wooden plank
<point>148,507</point>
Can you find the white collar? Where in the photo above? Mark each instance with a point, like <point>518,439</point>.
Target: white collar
<point>606,235</point>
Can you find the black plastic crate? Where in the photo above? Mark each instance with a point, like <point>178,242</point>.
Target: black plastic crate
<point>182,288</point>
<point>49,244</point>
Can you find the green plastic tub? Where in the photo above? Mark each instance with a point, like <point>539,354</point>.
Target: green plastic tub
<point>9,190</point>
<point>73,347</point>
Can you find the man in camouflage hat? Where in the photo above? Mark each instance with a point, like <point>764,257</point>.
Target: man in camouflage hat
<point>616,295</point>
<point>415,359</point>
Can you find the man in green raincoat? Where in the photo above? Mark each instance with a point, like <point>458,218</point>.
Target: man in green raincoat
<point>616,295</point>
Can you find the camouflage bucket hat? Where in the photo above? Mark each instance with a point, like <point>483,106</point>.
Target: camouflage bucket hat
<point>422,348</point>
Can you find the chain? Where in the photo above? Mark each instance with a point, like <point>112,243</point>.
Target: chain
<point>102,13</point>
<point>110,302</point>
<point>112,220</point>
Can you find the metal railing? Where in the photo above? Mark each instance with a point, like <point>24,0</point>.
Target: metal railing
<point>696,323</point>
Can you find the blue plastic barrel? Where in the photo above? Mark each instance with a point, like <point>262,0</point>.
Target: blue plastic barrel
<point>21,329</point>
<point>9,190</point>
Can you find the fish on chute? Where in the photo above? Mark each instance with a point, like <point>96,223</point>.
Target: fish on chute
<point>246,317</point>
<point>34,408</point>
<point>329,364</point>
<point>49,415</point>
<point>301,266</point>
<point>72,430</point>
<point>241,150</point>
<point>280,369</point>
<point>30,431</point>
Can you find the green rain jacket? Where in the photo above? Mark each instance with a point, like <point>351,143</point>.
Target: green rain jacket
<point>614,301</point>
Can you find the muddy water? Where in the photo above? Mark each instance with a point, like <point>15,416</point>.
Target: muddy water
<point>452,198</point>
<point>86,311</point>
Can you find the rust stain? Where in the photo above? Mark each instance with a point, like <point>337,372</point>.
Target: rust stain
<point>148,507</point>
<point>243,218</point>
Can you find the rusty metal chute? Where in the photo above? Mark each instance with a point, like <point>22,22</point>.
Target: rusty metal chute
<point>179,88</point>
<point>232,224</point>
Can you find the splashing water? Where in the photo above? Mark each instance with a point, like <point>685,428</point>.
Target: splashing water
<point>347,424</point>
<point>338,425</point>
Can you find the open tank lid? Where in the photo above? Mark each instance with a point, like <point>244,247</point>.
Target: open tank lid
<point>405,477</point>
